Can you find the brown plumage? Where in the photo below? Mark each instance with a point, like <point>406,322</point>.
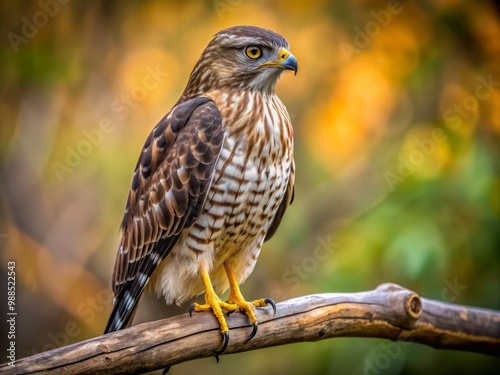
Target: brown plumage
<point>213,180</point>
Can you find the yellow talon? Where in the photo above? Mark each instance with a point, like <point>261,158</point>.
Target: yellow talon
<point>236,298</point>
<point>213,303</point>
<point>234,302</point>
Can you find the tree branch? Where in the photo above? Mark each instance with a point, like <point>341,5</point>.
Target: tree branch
<point>390,311</point>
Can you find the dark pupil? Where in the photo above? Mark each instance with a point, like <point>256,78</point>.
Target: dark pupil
<point>254,51</point>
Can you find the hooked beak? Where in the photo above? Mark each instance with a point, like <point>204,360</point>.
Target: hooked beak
<point>285,61</point>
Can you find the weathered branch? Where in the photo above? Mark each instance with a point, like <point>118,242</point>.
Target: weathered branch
<point>390,311</point>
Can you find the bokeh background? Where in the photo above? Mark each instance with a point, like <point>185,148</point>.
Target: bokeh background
<point>396,109</point>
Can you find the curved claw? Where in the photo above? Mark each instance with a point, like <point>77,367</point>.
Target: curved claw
<point>191,309</point>
<point>255,327</point>
<point>225,339</point>
<point>272,303</point>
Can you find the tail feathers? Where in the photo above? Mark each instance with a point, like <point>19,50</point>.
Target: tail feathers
<point>123,312</point>
<point>130,292</point>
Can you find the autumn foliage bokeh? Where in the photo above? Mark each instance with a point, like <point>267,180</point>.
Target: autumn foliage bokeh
<point>396,111</point>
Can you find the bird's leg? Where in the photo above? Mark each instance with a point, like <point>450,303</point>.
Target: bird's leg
<point>215,304</point>
<point>236,298</point>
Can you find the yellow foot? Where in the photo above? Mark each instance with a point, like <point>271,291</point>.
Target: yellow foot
<point>235,298</point>
<point>235,302</point>
<point>213,303</point>
<point>249,309</point>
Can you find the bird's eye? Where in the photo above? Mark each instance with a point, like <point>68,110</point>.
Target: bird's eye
<point>254,52</point>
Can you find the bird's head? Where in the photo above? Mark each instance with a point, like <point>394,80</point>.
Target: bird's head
<point>244,57</point>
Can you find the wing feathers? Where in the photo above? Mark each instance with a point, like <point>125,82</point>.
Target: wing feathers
<point>169,188</point>
<point>287,201</point>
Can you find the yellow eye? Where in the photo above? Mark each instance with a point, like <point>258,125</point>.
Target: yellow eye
<point>254,52</point>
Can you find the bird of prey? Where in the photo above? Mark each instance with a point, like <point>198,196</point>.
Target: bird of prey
<point>211,184</point>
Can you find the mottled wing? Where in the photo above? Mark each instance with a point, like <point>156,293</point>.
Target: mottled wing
<point>169,189</point>
<point>287,201</point>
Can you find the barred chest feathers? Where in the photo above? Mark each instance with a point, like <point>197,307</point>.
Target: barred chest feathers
<point>253,173</point>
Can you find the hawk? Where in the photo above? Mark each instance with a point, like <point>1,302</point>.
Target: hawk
<point>212,182</point>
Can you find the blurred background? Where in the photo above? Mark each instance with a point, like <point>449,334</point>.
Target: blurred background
<point>396,110</point>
